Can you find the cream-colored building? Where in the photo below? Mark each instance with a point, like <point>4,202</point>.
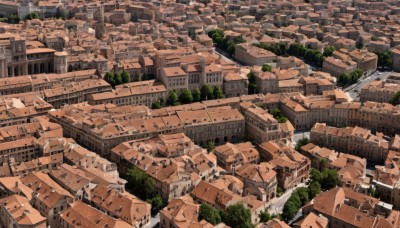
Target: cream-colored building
<point>252,55</point>
<point>337,67</point>
<point>134,93</point>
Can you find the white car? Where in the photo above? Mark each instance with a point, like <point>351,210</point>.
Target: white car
<point>379,73</point>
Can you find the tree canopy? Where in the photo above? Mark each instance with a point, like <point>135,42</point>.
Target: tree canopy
<point>186,96</point>
<point>302,142</point>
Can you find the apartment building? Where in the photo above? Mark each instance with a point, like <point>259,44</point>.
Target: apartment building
<point>81,214</point>
<point>47,196</point>
<point>351,169</point>
<point>17,59</point>
<point>290,166</point>
<point>75,92</point>
<point>174,78</point>
<point>379,91</point>
<point>231,156</point>
<point>353,140</point>
<point>15,211</point>
<point>262,126</point>
<point>182,212</point>
<point>221,196</point>
<point>235,84</point>
<point>121,205</point>
<point>337,67</point>
<point>335,109</point>
<point>100,134</point>
<point>40,82</point>
<point>345,208</point>
<point>259,180</point>
<point>396,59</point>
<point>251,55</point>
<point>178,174</point>
<point>20,110</point>
<point>134,93</point>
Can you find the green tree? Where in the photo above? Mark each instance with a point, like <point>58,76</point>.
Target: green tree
<point>186,97</point>
<point>13,19</point>
<point>172,98</point>
<point>207,93</point>
<point>264,216</point>
<point>33,15</point>
<point>295,198</point>
<point>303,194</point>
<point>266,67</point>
<point>384,59</point>
<point>109,77</point>
<point>157,204</point>
<point>118,78</point>
<point>359,44</point>
<point>252,86</point>
<point>314,188</point>
<point>196,95</point>
<point>302,142</point>
<point>328,51</point>
<point>125,77</point>
<point>289,211</point>
<point>140,183</point>
<point>156,105</point>
<point>315,175</point>
<point>371,191</point>
<point>395,100</point>
<point>210,214</point>
<point>217,92</point>
<point>137,77</point>
<point>210,145</point>
<point>236,216</point>
<point>330,179</point>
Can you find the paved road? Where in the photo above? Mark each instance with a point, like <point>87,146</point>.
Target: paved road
<point>299,135</point>
<point>276,204</point>
<point>226,56</point>
<point>154,221</point>
<point>354,90</point>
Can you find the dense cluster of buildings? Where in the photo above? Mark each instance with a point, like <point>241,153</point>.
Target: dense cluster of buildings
<point>71,126</point>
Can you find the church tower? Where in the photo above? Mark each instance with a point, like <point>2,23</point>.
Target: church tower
<point>100,28</point>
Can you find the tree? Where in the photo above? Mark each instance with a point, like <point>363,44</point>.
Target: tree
<point>33,15</point>
<point>314,188</point>
<point>207,93</point>
<point>289,211</point>
<point>172,98</point>
<point>266,67</point>
<point>196,95</point>
<point>157,204</point>
<point>303,194</point>
<point>237,215</point>
<point>371,191</point>
<point>330,179</point>
<point>359,44</point>
<point>209,214</point>
<point>125,77</point>
<point>109,77</point>
<point>384,59</point>
<point>210,146</point>
<point>137,77</point>
<point>295,198</point>
<point>302,142</point>
<point>186,97</point>
<point>328,51</point>
<point>315,175</point>
<point>217,92</point>
<point>13,19</point>
<point>252,86</point>
<point>264,216</point>
<point>156,105</point>
<point>395,100</point>
<point>140,183</point>
<point>118,79</point>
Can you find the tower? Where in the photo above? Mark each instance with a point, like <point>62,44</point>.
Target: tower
<point>60,62</point>
<point>3,64</point>
<point>100,30</point>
